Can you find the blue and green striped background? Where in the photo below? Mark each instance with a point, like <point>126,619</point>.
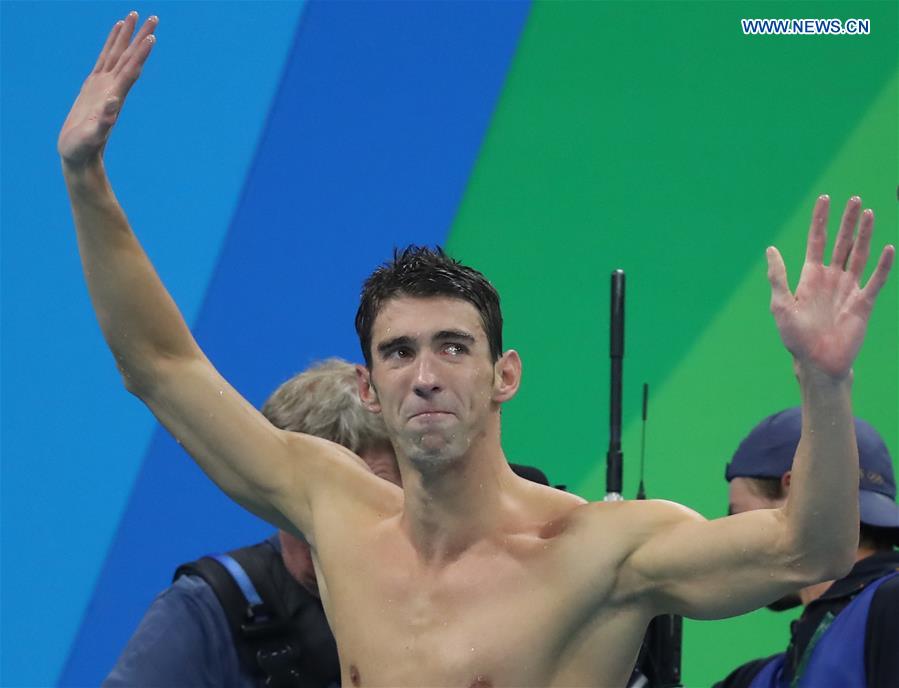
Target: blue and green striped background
<point>274,152</point>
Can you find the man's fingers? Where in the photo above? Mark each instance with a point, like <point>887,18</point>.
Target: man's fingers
<point>121,41</point>
<point>777,275</point>
<point>843,243</point>
<point>132,69</point>
<point>880,274</point>
<point>862,246</point>
<point>817,233</point>
<point>110,39</point>
<point>137,52</point>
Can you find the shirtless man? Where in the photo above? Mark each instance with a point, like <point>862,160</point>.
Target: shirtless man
<point>476,577</point>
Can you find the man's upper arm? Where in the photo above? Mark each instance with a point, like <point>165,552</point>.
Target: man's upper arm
<point>684,564</point>
<point>268,471</point>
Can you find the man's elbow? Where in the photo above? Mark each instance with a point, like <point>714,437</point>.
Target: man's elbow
<point>824,562</point>
<point>146,377</point>
<point>139,381</point>
<point>838,562</point>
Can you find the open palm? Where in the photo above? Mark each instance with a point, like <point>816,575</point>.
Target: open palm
<point>97,107</point>
<point>823,323</point>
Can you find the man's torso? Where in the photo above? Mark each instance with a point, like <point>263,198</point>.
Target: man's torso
<point>535,604</point>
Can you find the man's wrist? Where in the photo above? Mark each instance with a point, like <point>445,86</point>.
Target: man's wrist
<point>810,375</point>
<point>88,175</point>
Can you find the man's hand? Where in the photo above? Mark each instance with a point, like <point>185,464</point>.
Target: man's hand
<point>86,129</point>
<point>824,322</point>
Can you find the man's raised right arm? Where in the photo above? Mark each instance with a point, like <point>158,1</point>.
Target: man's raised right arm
<point>264,469</point>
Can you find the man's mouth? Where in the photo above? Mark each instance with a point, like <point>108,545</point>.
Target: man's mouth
<point>430,415</point>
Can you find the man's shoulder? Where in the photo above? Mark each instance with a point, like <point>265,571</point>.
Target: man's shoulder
<point>190,591</point>
<point>636,519</point>
<point>183,639</point>
<point>600,537</point>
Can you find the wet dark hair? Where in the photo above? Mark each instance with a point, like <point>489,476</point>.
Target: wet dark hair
<point>420,271</point>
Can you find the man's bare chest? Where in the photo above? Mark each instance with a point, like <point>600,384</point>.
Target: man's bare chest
<point>498,615</point>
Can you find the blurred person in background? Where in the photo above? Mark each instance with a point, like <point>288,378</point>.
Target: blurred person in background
<point>848,634</point>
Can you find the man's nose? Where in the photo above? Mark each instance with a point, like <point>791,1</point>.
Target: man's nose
<point>426,382</point>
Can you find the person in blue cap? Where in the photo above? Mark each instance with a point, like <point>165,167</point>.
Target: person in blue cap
<point>848,634</point>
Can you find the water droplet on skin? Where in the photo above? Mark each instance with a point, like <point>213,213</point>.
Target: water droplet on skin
<point>221,392</point>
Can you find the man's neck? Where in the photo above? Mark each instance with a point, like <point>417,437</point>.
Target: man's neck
<point>448,510</point>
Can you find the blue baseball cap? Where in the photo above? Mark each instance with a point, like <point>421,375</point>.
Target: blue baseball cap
<point>767,452</point>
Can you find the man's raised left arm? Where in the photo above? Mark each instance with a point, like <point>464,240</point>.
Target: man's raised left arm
<point>682,563</point>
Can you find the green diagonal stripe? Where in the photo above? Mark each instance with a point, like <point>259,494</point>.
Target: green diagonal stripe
<point>738,372</point>
<point>657,138</point>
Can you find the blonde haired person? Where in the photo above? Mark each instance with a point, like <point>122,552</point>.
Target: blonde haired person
<point>324,401</point>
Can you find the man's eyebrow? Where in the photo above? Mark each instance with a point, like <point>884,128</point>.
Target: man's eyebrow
<point>454,334</point>
<point>391,344</point>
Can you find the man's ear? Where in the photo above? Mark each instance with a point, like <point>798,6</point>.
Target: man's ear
<point>785,481</point>
<point>367,392</point>
<point>506,376</point>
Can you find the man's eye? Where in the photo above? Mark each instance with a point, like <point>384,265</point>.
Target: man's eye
<point>400,353</point>
<point>455,349</point>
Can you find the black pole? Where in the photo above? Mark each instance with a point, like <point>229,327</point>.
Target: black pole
<point>616,354</point>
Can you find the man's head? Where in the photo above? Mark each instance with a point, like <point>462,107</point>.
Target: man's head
<point>759,473</point>
<point>431,333</point>
<point>324,401</point>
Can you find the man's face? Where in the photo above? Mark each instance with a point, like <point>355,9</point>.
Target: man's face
<point>742,496</point>
<point>431,376</point>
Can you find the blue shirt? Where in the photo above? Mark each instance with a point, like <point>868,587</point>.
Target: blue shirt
<point>182,641</point>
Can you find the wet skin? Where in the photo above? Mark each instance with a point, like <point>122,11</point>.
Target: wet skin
<point>474,577</point>
<point>515,608</point>
<point>449,582</point>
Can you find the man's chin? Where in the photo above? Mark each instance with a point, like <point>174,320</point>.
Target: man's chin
<point>433,444</point>
<point>433,448</point>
